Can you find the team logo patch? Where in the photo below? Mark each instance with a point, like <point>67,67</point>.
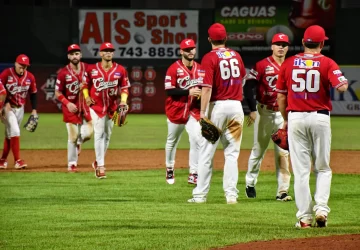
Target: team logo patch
<point>28,80</point>
<point>179,72</point>
<point>307,64</point>
<point>201,73</point>
<point>68,78</point>
<point>269,70</point>
<point>10,78</point>
<point>337,72</point>
<point>342,79</point>
<point>94,72</point>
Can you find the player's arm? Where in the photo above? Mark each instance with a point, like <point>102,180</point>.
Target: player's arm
<point>2,95</point>
<point>206,90</point>
<point>33,96</point>
<point>281,90</point>
<point>124,88</point>
<point>85,88</point>
<point>336,77</point>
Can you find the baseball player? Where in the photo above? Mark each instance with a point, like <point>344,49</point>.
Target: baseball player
<point>182,108</point>
<point>76,113</point>
<point>304,101</point>
<point>267,118</point>
<point>107,82</point>
<point>222,86</point>
<point>18,81</point>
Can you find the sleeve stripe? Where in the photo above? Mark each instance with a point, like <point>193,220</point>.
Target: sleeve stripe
<point>281,90</point>
<point>341,84</point>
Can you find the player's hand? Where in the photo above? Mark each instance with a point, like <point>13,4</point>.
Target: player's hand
<point>2,115</point>
<point>71,107</point>
<point>251,118</point>
<point>89,101</point>
<point>7,108</point>
<point>195,92</point>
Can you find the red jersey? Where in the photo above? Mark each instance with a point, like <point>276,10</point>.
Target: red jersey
<point>178,108</point>
<point>224,73</point>
<point>105,87</point>
<point>2,88</point>
<point>265,72</point>
<point>306,79</point>
<point>68,83</point>
<point>17,87</point>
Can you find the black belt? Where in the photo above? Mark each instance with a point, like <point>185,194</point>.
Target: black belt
<point>323,111</point>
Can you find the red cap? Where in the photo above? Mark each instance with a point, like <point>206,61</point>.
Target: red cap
<point>74,47</point>
<point>280,38</point>
<point>23,59</point>
<point>106,46</point>
<point>217,31</point>
<point>315,33</point>
<point>187,43</point>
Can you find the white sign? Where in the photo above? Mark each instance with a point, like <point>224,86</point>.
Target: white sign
<point>137,33</point>
<point>348,103</point>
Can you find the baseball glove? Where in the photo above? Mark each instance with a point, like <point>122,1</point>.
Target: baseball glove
<point>120,114</point>
<point>280,138</point>
<point>209,131</point>
<point>31,123</point>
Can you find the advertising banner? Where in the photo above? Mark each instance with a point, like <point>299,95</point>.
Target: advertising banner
<point>252,24</point>
<point>137,34</point>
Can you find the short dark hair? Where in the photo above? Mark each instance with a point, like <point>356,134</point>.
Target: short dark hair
<point>218,42</point>
<point>311,45</point>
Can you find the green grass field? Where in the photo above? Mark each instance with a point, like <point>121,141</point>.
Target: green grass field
<point>138,210</point>
<point>149,132</point>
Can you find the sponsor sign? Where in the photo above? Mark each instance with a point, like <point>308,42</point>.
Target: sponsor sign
<point>137,33</point>
<point>252,24</point>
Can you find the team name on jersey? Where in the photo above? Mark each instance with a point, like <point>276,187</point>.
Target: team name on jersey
<point>13,88</point>
<point>186,83</point>
<point>73,87</point>
<point>99,84</point>
<point>307,64</point>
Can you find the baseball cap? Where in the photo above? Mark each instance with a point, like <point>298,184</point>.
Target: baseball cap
<point>23,59</point>
<point>280,38</point>
<point>107,46</point>
<point>315,33</point>
<point>217,31</point>
<point>73,47</point>
<point>187,43</point>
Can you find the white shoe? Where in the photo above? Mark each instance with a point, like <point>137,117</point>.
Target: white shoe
<point>196,200</point>
<point>231,200</point>
<point>170,176</point>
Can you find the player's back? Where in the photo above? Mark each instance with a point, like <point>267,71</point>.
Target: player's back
<point>308,79</point>
<point>224,71</point>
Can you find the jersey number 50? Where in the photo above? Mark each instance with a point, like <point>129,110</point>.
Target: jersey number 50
<point>309,80</point>
<point>229,69</point>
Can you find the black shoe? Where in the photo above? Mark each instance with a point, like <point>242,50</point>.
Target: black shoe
<point>250,192</point>
<point>284,197</point>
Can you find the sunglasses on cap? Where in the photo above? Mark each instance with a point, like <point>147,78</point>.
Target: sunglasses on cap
<point>281,44</point>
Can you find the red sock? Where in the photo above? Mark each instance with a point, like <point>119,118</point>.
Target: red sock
<point>15,147</point>
<point>6,149</point>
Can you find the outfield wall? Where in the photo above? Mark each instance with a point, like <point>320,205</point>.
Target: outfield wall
<point>147,93</point>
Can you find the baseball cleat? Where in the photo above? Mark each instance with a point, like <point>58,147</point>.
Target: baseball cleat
<point>72,169</point>
<point>250,192</point>
<point>320,220</point>
<point>170,176</point>
<point>231,200</point>
<point>192,179</point>
<point>284,197</point>
<point>99,171</point>
<point>3,164</point>
<point>20,164</point>
<point>302,225</point>
<point>196,200</point>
